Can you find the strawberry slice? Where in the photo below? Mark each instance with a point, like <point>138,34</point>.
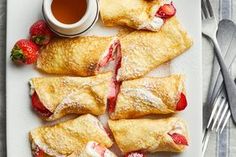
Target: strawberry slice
<point>182,103</point>
<point>135,154</point>
<point>178,139</point>
<point>39,107</point>
<point>115,84</point>
<point>39,152</point>
<point>112,98</point>
<point>166,11</point>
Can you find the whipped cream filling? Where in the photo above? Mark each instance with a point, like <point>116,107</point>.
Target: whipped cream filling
<point>154,25</point>
<point>156,22</point>
<point>37,144</point>
<point>90,150</point>
<point>178,128</point>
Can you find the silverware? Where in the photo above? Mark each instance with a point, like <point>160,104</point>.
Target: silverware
<point>209,28</point>
<point>227,40</point>
<point>226,37</point>
<point>220,116</point>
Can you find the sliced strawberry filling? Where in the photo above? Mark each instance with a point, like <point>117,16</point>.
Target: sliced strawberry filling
<point>39,152</point>
<point>179,139</point>
<point>166,11</point>
<point>110,56</point>
<point>39,107</point>
<point>99,149</point>
<point>135,154</point>
<point>182,103</point>
<point>115,84</point>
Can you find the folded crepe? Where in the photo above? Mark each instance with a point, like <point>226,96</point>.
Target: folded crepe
<point>129,57</point>
<point>149,95</point>
<point>54,97</point>
<point>143,51</point>
<point>138,14</point>
<point>149,135</point>
<point>94,149</point>
<point>83,56</point>
<point>68,138</point>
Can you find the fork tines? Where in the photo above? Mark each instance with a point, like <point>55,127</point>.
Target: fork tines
<point>207,10</point>
<point>220,113</point>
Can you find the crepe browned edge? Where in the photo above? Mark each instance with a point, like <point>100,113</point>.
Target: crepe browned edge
<point>148,135</point>
<point>70,136</point>
<point>72,95</point>
<point>148,95</point>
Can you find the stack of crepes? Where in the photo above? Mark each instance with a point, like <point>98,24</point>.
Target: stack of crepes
<point>108,73</point>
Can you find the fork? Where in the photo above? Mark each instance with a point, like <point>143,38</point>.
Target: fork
<point>209,29</point>
<point>220,104</point>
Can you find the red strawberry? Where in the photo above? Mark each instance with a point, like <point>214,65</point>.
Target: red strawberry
<point>39,153</point>
<point>24,52</point>
<point>135,154</point>
<point>111,100</point>
<point>179,139</point>
<point>181,105</point>
<point>38,106</point>
<point>166,11</point>
<point>40,33</point>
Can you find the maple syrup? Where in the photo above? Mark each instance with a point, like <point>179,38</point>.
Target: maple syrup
<point>69,11</point>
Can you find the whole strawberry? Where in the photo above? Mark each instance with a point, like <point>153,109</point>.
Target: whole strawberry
<point>24,52</point>
<point>40,33</point>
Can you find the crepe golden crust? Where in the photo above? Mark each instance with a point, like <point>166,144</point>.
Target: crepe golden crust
<point>76,56</point>
<point>149,95</point>
<point>148,135</point>
<point>66,95</point>
<point>72,136</point>
<point>143,51</point>
<point>131,13</point>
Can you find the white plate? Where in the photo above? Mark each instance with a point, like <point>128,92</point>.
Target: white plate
<point>20,118</point>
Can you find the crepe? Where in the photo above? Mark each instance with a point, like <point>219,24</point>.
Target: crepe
<point>82,56</point>
<point>149,95</point>
<point>149,135</point>
<point>70,137</point>
<point>143,51</point>
<point>55,97</point>
<point>137,14</point>
<point>130,56</point>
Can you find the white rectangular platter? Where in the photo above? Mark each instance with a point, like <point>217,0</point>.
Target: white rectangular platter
<point>21,119</point>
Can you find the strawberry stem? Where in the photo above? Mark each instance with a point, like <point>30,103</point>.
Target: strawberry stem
<point>17,55</point>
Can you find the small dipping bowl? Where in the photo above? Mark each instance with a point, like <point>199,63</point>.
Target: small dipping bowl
<point>71,30</point>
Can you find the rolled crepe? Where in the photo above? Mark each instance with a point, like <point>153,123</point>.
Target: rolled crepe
<point>149,135</point>
<point>54,97</point>
<point>70,137</point>
<point>129,57</point>
<point>144,51</point>
<point>83,56</point>
<point>138,14</point>
<point>93,149</point>
<point>149,95</point>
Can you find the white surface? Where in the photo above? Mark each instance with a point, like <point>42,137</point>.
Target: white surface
<point>20,118</point>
